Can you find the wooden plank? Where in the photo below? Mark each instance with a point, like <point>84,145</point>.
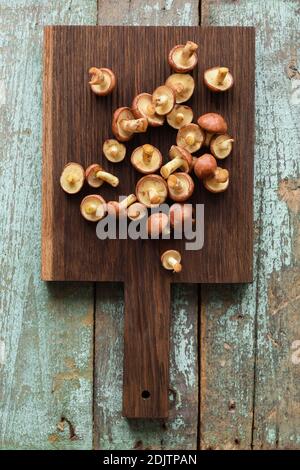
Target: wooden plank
<point>111,430</point>
<point>273,300</point>
<point>46,331</point>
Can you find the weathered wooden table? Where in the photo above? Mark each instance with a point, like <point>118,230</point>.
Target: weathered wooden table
<point>235,351</point>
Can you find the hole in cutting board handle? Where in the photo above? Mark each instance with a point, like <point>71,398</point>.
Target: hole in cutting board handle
<point>145,394</point>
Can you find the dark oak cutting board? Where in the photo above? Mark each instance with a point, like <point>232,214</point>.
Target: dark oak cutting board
<point>75,125</point>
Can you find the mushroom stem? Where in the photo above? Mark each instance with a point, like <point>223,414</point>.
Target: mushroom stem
<point>225,144</point>
<point>147,153</point>
<point>208,137</point>
<point>71,178</point>
<point>175,183</point>
<point>171,166</point>
<point>108,178</point>
<point>222,72</point>
<point>190,139</point>
<point>90,208</point>
<point>134,125</point>
<point>161,100</point>
<point>153,196</point>
<point>177,267</point>
<point>127,201</point>
<point>179,118</point>
<point>113,150</point>
<point>179,88</point>
<point>221,175</point>
<point>98,77</point>
<point>188,50</point>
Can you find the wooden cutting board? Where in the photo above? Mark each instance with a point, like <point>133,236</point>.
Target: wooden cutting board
<point>75,125</point>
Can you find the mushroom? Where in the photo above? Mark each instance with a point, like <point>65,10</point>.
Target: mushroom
<point>93,207</point>
<point>114,151</point>
<point>137,211</point>
<point>72,178</point>
<point>179,214</point>
<point>218,79</point>
<point>218,182</point>
<point>151,190</point>
<point>157,224</point>
<point>124,125</point>
<point>183,58</point>
<point>163,100</point>
<point>95,176</point>
<point>190,137</point>
<point>179,158</point>
<point>221,146</point>
<point>213,123</point>
<point>205,166</point>
<point>103,81</point>
<point>181,186</point>
<point>142,107</point>
<point>171,260</point>
<point>180,116</point>
<point>120,208</point>
<point>183,85</point>
<point>146,159</point>
<point>208,137</point>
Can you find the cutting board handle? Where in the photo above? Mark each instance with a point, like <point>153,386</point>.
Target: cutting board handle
<point>146,344</point>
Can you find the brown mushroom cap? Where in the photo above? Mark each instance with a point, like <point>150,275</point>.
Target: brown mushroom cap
<point>163,99</point>
<point>93,207</point>
<point>217,183</point>
<point>137,211</point>
<point>213,123</point>
<point>95,181</point>
<point>72,178</point>
<point>114,151</point>
<point>190,137</point>
<point>218,79</point>
<point>125,114</point>
<point>180,213</point>
<point>171,260</point>
<point>157,223</point>
<point>221,146</point>
<point>180,116</point>
<point>142,107</point>
<point>180,61</point>
<point>103,81</point>
<point>183,85</point>
<point>205,166</point>
<point>180,186</point>
<point>148,184</point>
<point>146,159</point>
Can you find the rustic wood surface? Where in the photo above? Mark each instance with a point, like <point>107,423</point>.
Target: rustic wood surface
<point>250,338</point>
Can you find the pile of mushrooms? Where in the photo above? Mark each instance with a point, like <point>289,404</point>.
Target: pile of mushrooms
<point>164,104</point>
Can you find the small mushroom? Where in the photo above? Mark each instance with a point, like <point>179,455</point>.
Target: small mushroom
<point>183,85</point>
<point>93,207</point>
<point>158,224</point>
<point>137,211</point>
<point>190,137</point>
<point>163,100</point>
<point>151,190</point>
<point>183,58</point>
<point>181,186</point>
<point>72,178</point>
<point>218,182</point>
<point>179,158</point>
<point>142,107</point>
<point>180,116</point>
<point>218,79</point>
<point>114,151</point>
<point>120,208</point>
<point>95,176</point>
<point>205,166</point>
<point>171,260</point>
<point>180,214</point>
<point>102,82</point>
<point>221,146</point>
<point>146,159</point>
<point>124,125</point>
<point>213,123</point>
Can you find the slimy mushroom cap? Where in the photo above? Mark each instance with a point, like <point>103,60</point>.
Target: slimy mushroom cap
<point>213,123</point>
